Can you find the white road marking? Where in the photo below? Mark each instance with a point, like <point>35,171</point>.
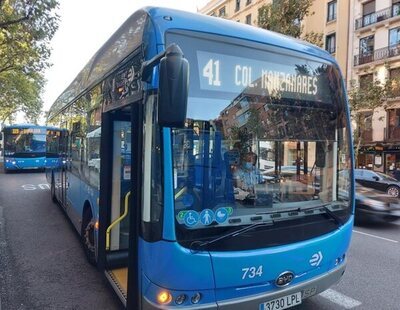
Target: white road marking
<point>33,187</point>
<point>374,236</point>
<point>340,299</point>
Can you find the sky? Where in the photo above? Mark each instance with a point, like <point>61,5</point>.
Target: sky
<point>83,28</point>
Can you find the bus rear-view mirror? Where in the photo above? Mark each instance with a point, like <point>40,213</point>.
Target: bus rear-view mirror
<point>173,88</point>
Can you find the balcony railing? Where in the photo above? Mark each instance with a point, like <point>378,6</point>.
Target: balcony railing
<point>379,54</point>
<point>378,16</point>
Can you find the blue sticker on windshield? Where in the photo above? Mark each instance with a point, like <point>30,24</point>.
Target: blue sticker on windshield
<point>207,216</point>
<point>191,218</point>
<point>187,200</point>
<point>221,215</point>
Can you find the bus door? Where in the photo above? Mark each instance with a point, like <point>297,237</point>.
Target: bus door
<point>121,185</point>
<point>118,187</point>
<point>61,183</point>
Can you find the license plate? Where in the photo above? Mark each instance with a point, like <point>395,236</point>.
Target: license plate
<point>282,302</point>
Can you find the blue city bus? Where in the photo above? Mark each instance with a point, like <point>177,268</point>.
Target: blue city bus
<point>24,147</point>
<point>208,164</point>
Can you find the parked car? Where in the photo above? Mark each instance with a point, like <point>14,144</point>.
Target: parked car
<point>379,181</point>
<point>373,205</point>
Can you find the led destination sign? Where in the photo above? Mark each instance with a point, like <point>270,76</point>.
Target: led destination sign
<point>226,73</point>
<point>18,131</point>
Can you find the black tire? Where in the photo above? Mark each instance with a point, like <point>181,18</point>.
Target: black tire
<point>6,171</point>
<point>53,190</point>
<point>393,191</point>
<point>87,236</point>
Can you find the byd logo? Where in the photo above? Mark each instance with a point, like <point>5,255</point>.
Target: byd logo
<point>284,278</point>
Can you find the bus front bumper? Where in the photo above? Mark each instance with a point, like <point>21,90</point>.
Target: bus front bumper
<point>316,285</point>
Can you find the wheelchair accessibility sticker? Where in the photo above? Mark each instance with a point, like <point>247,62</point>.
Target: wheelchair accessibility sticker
<point>206,217</point>
<point>191,218</point>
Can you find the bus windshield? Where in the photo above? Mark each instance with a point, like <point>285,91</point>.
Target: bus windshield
<point>23,141</point>
<point>265,140</point>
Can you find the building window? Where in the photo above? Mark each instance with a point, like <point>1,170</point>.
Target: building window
<point>395,7</point>
<point>222,12</point>
<point>248,2</point>
<point>368,13</point>
<point>367,46</point>
<point>237,8</point>
<point>330,43</point>
<point>212,14</point>
<point>367,120</point>
<point>394,75</point>
<point>248,19</point>
<point>393,116</point>
<point>332,10</point>
<point>394,36</point>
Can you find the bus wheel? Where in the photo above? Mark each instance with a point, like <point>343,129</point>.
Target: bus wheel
<point>88,237</point>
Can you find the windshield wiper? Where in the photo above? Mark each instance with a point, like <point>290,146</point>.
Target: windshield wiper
<point>198,244</point>
<point>328,211</point>
<point>332,214</point>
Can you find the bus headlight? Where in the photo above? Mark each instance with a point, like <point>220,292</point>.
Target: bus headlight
<point>196,298</point>
<point>14,162</point>
<point>164,297</point>
<point>180,299</point>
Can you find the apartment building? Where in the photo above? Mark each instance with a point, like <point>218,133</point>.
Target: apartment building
<point>242,11</point>
<point>376,56</point>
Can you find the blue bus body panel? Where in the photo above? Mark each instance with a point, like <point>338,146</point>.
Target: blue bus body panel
<point>228,266</point>
<point>206,24</point>
<point>12,163</point>
<point>169,265</point>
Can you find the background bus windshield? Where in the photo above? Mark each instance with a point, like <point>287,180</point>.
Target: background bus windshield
<point>23,141</point>
<point>265,139</point>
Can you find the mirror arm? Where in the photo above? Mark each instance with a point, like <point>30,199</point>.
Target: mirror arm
<point>147,66</point>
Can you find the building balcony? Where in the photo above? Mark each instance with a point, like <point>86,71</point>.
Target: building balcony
<point>376,55</point>
<point>378,16</point>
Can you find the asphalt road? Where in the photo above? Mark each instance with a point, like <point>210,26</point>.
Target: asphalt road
<point>42,265</point>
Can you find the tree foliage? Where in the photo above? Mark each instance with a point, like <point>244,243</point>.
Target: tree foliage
<point>26,28</point>
<point>285,16</point>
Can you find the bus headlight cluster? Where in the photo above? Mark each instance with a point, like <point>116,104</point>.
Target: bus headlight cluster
<point>164,297</point>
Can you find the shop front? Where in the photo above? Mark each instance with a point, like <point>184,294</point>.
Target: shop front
<point>379,157</point>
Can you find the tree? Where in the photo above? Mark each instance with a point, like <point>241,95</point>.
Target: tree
<point>285,16</point>
<point>26,28</point>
